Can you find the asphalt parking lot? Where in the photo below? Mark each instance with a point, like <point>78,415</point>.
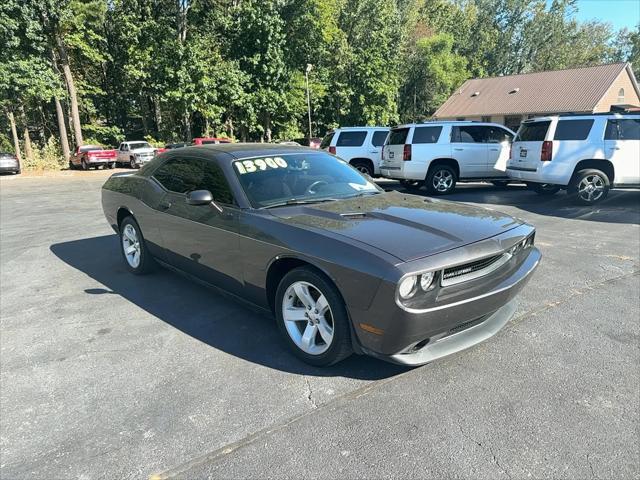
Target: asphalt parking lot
<point>107,375</point>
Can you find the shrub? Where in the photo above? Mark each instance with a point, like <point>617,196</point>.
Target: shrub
<point>49,157</point>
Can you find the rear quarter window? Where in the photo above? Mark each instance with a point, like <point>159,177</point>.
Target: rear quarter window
<point>426,134</point>
<point>398,136</point>
<point>532,131</point>
<point>326,141</point>
<point>351,139</point>
<point>379,137</point>
<point>573,129</point>
<point>623,129</point>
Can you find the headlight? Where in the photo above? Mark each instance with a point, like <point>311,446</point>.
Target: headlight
<point>426,279</point>
<point>407,287</point>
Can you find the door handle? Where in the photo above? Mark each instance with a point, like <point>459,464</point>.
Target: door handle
<point>494,149</point>
<point>614,148</point>
<point>458,149</point>
<point>374,151</point>
<point>164,205</point>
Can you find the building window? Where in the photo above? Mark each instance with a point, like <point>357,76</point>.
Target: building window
<point>621,95</point>
<point>486,118</point>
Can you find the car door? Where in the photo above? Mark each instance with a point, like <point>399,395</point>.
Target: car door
<point>122,152</point>
<point>499,140</point>
<point>622,148</point>
<point>469,148</point>
<point>200,239</point>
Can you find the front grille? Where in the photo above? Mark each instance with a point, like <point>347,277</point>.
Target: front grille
<point>469,267</point>
<point>466,325</point>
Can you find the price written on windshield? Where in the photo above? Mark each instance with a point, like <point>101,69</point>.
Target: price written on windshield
<point>260,164</point>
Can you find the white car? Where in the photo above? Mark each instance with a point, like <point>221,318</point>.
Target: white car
<point>586,154</point>
<point>135,154</point>
<point>439,154</point>
<point>359,146</point>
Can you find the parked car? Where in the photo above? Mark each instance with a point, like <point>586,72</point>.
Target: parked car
<point>359,146</point>
<point>343,265</point>
<point>135,153</point>
<point>92,156</point>
<point>440,154</point>
<point>210,140</point>
<point>9,163</point>
<point>585,154</point>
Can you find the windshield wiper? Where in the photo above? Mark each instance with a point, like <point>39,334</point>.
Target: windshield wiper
<point>295,201</point>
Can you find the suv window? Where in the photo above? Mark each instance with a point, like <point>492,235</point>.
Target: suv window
<point>627,129</point>
<point>573,129</point>
<point>499,135</point>
<point>532,131</point>
<point>426,134</point>
<point>184,175</point>
<point>351,139</point>
<point>326,141</point>
<point>469,134</point>
<point>398,136</point>
<point>379,137</point>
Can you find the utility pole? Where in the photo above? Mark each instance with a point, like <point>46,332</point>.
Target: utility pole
<point>306,76</point>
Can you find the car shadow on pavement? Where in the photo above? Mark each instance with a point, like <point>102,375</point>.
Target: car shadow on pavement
<point>619,207</point>
<point>203,313</point>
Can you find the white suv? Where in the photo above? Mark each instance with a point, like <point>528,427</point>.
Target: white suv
<point>360,146</point>
<point>439,154</point>
<point>586,154</point>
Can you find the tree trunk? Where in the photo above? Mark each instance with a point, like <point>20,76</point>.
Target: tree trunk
<point>187,126</point>
<point>14,134</point>
<point>28,150</point>
<point>62,128</point>
<point>267,127</point>
<point>158,117</point>
<point>71,87</point>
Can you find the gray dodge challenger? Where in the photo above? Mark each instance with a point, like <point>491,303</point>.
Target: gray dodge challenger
<point>343,265</point>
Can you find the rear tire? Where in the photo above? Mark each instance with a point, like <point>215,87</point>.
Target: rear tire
<point>545,189</point>
<point>111,166</point>
<point>589,186</point>
<point>306,331</point>
<point>363,167</point>
<point>134,250</point>
<point>441,180</point>
<point>84,165</point>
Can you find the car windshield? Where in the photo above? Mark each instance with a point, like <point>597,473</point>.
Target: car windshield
<point>136,145</point>
<point>300,178</point>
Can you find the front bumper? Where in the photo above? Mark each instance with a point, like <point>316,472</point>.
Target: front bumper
<point>464,315</point>
<point>9,168</point>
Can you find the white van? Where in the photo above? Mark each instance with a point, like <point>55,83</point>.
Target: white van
<point>439,154</point>
<point>585,154</point>
<point>360,146</point>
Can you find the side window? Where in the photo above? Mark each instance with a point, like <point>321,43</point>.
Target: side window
<point>629,129</point>
<point>426,134</point>
<point>351,139</point>
<point>573,129</point>
<point>123,147</point>
<point>469,134</point>
<point>213,179</point>
<point>379,137</point>
<point>180,175</point>
<point>499,135</point>
<point>611,132</point>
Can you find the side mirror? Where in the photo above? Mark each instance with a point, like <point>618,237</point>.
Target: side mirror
<point>199,197</point>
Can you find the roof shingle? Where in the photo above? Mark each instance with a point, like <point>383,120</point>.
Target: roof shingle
<point>571,90</point>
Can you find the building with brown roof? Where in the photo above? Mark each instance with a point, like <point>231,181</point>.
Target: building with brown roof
<point>510,99</point>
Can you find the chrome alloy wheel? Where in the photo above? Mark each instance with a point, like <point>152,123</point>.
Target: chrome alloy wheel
<point>591,188</point>
<point>131,245</point>
<point>307,318</point>
<point>442,180</point>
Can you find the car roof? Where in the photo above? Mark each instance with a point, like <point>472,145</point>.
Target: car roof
<point>361,128</point>
<point>235,151</point>
<point>447,122</point>
<point>588,116</point>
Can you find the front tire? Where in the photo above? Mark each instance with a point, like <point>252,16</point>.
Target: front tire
<point>312,317</point>
<point>133,247</point>
<point>589,186</point>
<point>132,162</point>
<point>441,180</point>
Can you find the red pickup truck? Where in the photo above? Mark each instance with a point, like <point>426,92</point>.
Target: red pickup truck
<point>88,156</point>
<point>210,140</point>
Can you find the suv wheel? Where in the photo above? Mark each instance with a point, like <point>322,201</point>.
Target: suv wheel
<point>544,188</point>
<point>590,186</point>
<point>441,180</point>
<point>312,317</point>
<point>363,167</point>
<point>132,162</point>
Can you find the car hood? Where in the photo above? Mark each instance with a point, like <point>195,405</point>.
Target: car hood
<point>405,226</point>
